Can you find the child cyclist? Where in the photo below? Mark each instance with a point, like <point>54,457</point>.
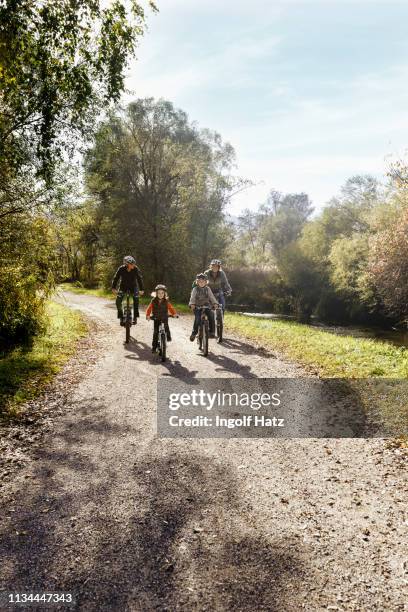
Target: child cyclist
<point>160,308</point>
<point>129,279</point>
<point>202,295</point>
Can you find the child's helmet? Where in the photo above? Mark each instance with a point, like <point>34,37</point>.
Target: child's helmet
<point>129,260</point>
<point>201,276</point>
<point>157,287</point>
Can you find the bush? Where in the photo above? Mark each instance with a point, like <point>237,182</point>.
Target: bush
<point>27,259</point>
<point>258,289</point>
<point>22,312</point>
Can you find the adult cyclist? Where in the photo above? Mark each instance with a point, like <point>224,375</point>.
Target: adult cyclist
<point>218,281</point>
<point>128,278</point>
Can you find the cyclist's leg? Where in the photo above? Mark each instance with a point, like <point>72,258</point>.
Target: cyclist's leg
<point>197,317</point>
<point>136,303</point>
<point>221,299</point>
<point>211,321</point>
<point>155,340</point>
<point>119,306</point>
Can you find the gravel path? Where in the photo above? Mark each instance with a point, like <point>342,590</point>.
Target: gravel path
<point>125,521</point>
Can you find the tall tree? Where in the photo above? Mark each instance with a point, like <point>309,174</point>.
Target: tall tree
<point>161,186</point>
<point>283,218</point>
<point>60,62</point>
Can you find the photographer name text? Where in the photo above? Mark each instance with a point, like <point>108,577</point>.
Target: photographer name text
<point>248,420</point>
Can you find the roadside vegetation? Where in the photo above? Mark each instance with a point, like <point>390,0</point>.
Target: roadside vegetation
<point>62,64</point>
<point>328,354</point>
<point>107,293</point>
<point>376,370</point>
<point>26,370</point>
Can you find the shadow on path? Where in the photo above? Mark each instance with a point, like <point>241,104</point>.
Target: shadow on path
<point>166,534</point>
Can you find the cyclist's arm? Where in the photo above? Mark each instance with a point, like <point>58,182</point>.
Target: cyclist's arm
<point>116,278</point>
<point>149,310</point>
<point>225,284</point>
<point>139,279</point>
<point>171,310</point>
<point>193,296</point>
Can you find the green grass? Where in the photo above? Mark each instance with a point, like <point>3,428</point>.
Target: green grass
<point>376,370</point>
<point>76,288</point>
<point>107,293</point>
<point>24,372</point>
<point>331,355</point>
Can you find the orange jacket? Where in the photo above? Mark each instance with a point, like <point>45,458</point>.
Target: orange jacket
<point>170,308</point>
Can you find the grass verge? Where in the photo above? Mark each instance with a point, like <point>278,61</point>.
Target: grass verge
<point>77,288</point>
<point>376,370</point>
<point>25,371</point>
<point>332,356</point>
<point>105,293</point>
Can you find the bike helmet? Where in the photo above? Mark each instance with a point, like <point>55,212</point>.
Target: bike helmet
<point>215,262</point>
<point>157,287</point>
<point>129,260</point>
<point>201,276</point>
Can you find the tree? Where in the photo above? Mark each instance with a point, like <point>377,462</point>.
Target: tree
<point>388,266</point>
<point>161,187</point>
<point>61,62</point>
<point>301,280</point>
<point>282,219</point>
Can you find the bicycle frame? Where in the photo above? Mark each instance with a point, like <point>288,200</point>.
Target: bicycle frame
<point>203,330</point>
<point>162,337</point>
<point>220,316</point>
<point>127,315</point>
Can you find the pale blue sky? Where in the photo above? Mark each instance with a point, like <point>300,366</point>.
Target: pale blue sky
<point>308,92</point>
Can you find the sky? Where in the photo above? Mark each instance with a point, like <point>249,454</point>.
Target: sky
<point>309,93</point>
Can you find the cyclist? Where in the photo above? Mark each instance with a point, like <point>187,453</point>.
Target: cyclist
<point>129,278</point>
<point>161,308</point>
<point>201,295</point>
<point>218,281</point>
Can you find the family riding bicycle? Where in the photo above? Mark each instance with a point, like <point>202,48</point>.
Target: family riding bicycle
<point>207,297</point>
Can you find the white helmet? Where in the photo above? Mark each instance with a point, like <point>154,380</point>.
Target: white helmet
<point>129,260</point>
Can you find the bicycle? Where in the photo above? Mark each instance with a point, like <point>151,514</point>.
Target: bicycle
<point>203,330</point>
<point>127,317</point>
<point>163,337</point>
<point>219,322</point>
<point>220,318</point>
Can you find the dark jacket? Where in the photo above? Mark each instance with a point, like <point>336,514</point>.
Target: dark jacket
<point>160,309</point>
<point>128,280</point>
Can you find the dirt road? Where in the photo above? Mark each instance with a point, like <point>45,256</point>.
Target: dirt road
<point>125,521</point>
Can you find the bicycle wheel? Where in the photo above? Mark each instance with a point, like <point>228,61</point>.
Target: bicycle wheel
<point>205,338</point>
<point>163,342</point>
<point>220,325</point>
<point>128,319</point>
<point>127,328</point>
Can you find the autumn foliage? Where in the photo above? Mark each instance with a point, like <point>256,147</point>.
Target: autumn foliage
<point>388,266</point>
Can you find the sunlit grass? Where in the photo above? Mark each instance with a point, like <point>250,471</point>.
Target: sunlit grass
<point>26,370</point>
<point>367,365</point>
<point>329,354</point>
